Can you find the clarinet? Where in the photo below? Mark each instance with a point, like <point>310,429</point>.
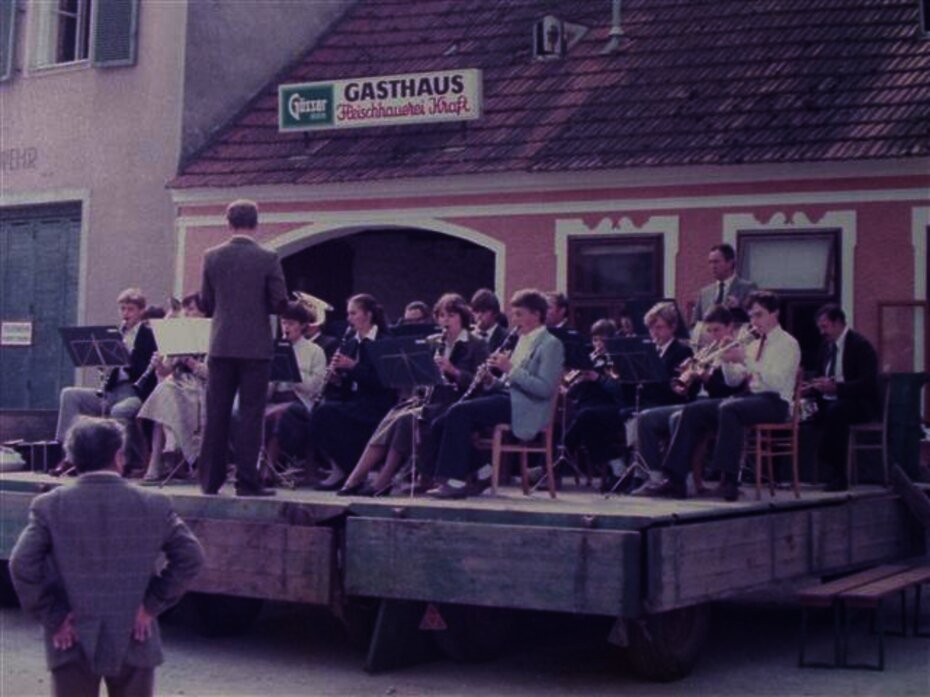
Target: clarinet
<point>330,369</point>
<point>485,368</point>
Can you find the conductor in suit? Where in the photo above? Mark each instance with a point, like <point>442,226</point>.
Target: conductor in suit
<point>85,568</point>
<point>846,390</point>
<point>243,283</point>
<point>728,289</point>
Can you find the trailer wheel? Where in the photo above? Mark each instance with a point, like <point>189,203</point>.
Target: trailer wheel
<point>474,634</point>
<point>225,615</point>
<point>665,646</point>
<point>8,597</point>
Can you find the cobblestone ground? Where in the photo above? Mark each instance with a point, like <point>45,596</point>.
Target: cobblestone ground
<point>291,650</point>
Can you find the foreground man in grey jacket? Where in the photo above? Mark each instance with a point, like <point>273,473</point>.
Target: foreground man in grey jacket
<point>87,567</point>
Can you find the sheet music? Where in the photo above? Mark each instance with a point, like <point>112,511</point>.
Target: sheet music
<point>182,336</point>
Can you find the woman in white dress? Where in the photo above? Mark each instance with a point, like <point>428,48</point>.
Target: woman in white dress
<point>177,405</point>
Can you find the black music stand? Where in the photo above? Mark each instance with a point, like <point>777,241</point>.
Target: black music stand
<point>98,347</point>
<point>636,362</point>
<point>405,364</point>
<point>284,366</point>
<point>418,330</point>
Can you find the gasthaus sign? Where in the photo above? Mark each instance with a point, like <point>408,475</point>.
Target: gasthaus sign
<point>389,100</point>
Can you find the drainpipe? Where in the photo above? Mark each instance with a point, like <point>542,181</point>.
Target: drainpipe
<point>616,31</point>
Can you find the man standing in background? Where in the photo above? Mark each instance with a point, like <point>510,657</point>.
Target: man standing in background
<point>243,283</point>
<point>728,290</point>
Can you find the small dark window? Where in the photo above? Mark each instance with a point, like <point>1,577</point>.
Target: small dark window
<point>609,273</point>
<point>925,16</point>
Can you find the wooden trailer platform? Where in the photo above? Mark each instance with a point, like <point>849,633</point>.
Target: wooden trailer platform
<point>581,553</point>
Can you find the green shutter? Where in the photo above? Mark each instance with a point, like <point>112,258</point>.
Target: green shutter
<point>7,32</point>
<point>115,27</point>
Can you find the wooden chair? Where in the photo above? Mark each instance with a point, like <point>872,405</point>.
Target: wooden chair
<point>854,445</point>
<point>498,444</point>
<point>779,439</point>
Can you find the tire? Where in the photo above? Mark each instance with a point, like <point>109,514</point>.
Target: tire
<point>665,647</point>
<point>225,615</point>
<point>475,634</point>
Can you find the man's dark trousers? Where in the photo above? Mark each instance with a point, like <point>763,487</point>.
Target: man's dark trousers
<point>226,377</point>
<point>76,679</point>
<point>729,417</point>
<point>453,430</point>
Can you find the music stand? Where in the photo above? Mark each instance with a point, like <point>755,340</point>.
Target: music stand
<point>405,364</point>
<point>98,347</point>
<point>636,362</point>
<point>284,366</point>
<point>416,331</point>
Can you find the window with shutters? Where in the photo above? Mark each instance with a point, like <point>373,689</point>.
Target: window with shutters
<point>63,33</point>
<point>72,32</point>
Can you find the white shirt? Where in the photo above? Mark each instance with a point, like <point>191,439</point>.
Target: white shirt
<point>664,347</point>
<point>371,335</point>
<point>447,349</point>
<point>524,347</point>
<point>129,341</point>
<point>775,371</point>
<point>311,362</point>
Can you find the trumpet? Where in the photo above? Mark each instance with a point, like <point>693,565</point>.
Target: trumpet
<point>601,364</point>
<point>701,364</point>
<point>481,374</point>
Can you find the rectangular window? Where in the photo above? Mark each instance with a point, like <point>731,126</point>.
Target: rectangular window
<point>610,274</point>
<point>63,32</point>
<point>804,269</point>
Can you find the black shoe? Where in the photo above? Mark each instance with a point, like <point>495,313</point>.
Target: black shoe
<point>728,490</point>
<point>667,488</point>
<point>260,491</point>
<point>836,485</point>
<point>353,490</point>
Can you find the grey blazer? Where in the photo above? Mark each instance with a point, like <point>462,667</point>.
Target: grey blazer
<point>92,548</point>
<point>534,385</point>
<point>242,285</point>
<point>736,295</point>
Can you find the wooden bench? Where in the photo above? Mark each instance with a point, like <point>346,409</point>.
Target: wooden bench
<point>865,590</point>
<point>871,596</point>
<point>826,595</point>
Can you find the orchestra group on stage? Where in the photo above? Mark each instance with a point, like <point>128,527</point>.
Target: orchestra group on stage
<point>672,401</point>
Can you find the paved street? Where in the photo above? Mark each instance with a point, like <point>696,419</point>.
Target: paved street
<point>301,651</point>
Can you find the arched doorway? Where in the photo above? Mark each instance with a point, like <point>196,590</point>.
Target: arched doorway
<point>395,264</point>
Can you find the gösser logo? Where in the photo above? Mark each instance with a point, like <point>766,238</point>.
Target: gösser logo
<point>303,106</point>
<point>298,106</point>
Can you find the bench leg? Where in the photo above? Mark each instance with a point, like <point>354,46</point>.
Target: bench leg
<point>881,634</point>
<point>917,631</point>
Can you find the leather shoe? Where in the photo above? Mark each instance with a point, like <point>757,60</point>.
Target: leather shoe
<point>448,492</point>
<point>667,488</point>
<point>836,485</point>
<point>728,490</point>
<point>261,491</point>
<point>352,490</point>
<point>478,487</point>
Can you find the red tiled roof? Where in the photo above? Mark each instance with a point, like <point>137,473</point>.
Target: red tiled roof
<point>707,82</point>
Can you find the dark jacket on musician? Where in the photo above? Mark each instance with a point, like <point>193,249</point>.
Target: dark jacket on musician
<point>466,356</point>
<point>660,394</point>
<point>340,426</point>
<point>860,369</point>
<point>139,359</point>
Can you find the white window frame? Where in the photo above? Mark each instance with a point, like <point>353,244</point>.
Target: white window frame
<point>45,14</point>
<point>844,221</point>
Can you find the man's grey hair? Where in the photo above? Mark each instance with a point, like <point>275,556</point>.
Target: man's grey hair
<point>92,443</point>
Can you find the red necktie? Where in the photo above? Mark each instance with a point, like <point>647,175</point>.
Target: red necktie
<point>761,347</point>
